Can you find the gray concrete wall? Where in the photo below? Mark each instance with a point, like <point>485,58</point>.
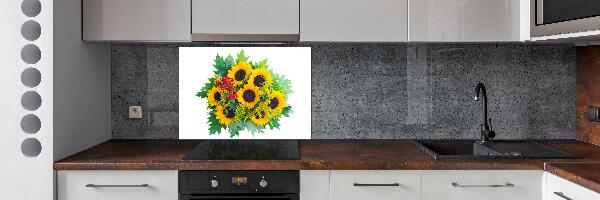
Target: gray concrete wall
<point>381,91</point>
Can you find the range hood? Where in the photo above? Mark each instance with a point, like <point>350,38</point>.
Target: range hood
<point>246,20</point>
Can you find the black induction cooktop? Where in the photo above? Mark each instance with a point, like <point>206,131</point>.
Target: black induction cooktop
<point>245,150</point>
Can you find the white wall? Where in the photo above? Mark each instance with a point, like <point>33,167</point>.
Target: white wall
<point>23,177</point>
<point>82,99</point>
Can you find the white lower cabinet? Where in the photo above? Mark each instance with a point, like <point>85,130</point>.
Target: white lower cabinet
<point>375,185</point>
<point>560,189</point>
<point>482,185</point>
<point>314,184</point>
<point>341,185</point>
<point>117,185</point>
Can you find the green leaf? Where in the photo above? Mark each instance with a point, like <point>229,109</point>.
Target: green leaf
<point>280,83</point>
<point>207,86</point>
<point>234,129</point>
<point>229,61</point>
<point>274,123</point>
<point>287,111</point>
<point>214,127</point>
<point>221,66</point>
<point>241,57</point>
<point>262,64</point>
<point>253,128</point>
<point>233,105</point>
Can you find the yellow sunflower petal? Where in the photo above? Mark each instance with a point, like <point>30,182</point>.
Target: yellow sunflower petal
<point>260,78</point>
<point>225,116</point>
<point>214,96</point>
<point>239,72</point>
<point>248,96</point>
<point>260,117</point>
<point>276,101</point>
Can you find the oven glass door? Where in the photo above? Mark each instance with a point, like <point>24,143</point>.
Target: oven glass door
<point>554,11</point>
<point>241,197</point>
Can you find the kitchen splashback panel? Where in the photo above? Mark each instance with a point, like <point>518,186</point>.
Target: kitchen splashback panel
<point>382,91</point>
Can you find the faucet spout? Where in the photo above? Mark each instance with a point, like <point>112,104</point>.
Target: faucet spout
<point>480,94</point>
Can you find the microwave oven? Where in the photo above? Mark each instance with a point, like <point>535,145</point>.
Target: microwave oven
<point>554,17</point>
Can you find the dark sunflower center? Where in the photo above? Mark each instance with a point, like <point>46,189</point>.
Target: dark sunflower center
<point>217,96</point>
<point>229,113</point>
<point>249,96</point>
<point>274,103</point>
<point>240,75</point>
<point>261,115</point>
<point>259,80</point>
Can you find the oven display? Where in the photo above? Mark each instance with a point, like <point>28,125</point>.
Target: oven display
<point>239,180</point>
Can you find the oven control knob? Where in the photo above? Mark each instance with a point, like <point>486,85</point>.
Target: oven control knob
<point>263,183</point>
<point>214,183</point>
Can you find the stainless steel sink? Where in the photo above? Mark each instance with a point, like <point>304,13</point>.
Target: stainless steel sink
<point>469,149</point>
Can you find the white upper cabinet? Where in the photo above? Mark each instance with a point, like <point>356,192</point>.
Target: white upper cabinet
<point>468,20</point>
<point>354,20</point>
<point>245,20</point>
<point>136,20</point>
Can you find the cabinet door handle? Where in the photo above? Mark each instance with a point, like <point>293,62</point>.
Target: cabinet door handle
<point>115,186</point>
<point>492,185</point>
<point>562,195</point>
<point>376,184</point>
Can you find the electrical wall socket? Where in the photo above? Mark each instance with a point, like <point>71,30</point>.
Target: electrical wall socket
<point>135,112</point>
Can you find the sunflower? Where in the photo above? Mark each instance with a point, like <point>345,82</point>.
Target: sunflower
<point>248,95</point>
<point>225,116</point>
<point>276,101</point>
<point>260,77</point>
<point>260,116</point>
<point>214,96</point>
<point>239,72</point>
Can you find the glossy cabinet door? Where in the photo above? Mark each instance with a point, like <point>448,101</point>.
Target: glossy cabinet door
<point>215,19</point>
<point>136,20</point>
<point>375,185</point>
<point>353,20</point>
<point>560,189</point>
<point>482,185</point>
<point>117,185</point>
<point>468,20</point>
<point>314,184</point>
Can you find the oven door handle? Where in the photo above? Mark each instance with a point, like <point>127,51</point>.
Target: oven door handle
<point>253,197</point>
<point>376,184</point>
<point>285,196</point>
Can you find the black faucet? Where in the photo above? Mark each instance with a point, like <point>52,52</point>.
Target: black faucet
<point>487,134</point>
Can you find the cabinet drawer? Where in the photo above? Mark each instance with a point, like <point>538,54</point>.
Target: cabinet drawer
<point>560,189</point>
<point>379,185</point>
<point>482,185</point>
<point>117,185</point>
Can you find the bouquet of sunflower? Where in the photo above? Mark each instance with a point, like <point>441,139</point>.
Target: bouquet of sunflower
<point>245,95</point>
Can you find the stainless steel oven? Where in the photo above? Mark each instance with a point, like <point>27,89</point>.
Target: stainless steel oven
<point>552,17</point>
<point>239,185</point>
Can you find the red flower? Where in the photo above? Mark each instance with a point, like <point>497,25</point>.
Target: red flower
<point>232,96</point>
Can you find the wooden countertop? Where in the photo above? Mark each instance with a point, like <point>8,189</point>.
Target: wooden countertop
<point>314,155</point>
<point>584,174</point>
<point>331,155</point>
